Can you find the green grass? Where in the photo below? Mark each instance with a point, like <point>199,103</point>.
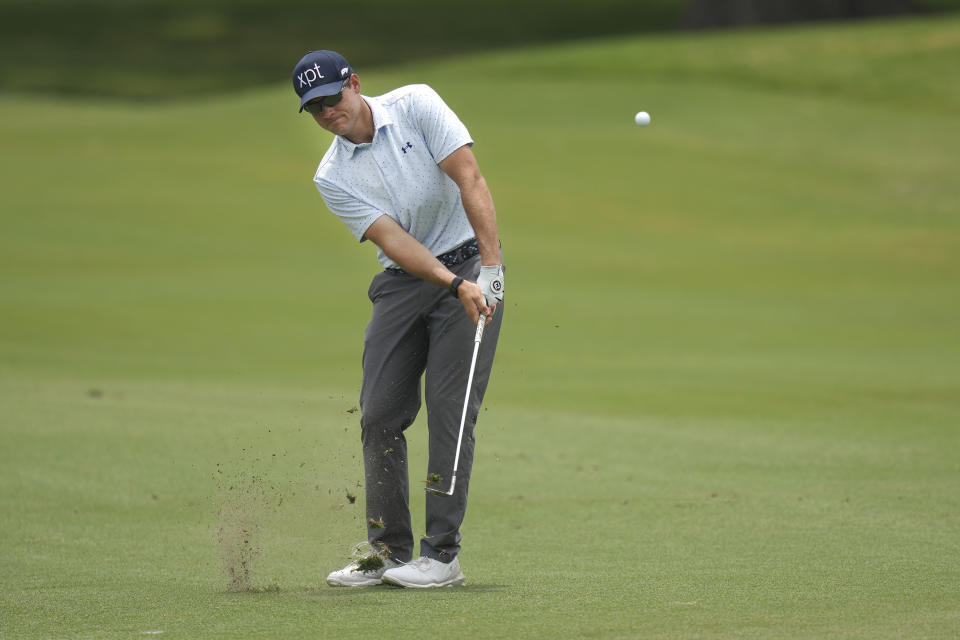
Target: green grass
<point>158,49</point>
<point>725,404</point>
<point>151,50</point>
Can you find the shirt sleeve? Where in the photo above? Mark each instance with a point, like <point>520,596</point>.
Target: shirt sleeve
<point>353,212</point>
<point>442,129</point>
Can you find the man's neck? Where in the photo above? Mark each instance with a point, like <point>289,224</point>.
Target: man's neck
<point>366,129</point>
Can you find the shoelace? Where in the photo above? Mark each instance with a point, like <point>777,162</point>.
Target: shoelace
<point>421,563</point>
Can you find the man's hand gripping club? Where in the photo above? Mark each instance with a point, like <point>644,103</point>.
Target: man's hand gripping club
<point>483,296</point>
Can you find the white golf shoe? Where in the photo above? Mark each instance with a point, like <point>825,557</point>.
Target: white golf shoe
<point>424,573</point>
<point>352,576</point>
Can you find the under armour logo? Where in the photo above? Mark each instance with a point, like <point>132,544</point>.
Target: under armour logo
<point>405,147</point>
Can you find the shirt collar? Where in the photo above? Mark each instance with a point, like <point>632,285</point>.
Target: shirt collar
<point>381,118</point>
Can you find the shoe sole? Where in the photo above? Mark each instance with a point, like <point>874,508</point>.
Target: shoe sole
<point>372,583</point>
<point>457,581</point>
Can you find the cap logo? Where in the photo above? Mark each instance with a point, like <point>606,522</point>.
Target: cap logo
<point>343,71</point>
<point>311,75</point>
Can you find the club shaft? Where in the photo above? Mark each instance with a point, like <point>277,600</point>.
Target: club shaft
<point>481,321</point>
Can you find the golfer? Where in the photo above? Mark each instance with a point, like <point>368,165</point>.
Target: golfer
<point>401,173</point>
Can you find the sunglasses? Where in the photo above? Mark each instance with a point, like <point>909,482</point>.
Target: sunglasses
<point>316,107</point>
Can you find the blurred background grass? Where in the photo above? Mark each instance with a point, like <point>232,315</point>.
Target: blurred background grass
<point>139,49</point>
<point>155,48</point>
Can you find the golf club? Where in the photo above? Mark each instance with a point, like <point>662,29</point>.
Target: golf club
<point>481,322</point>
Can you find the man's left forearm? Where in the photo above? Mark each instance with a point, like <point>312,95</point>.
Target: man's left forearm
<point>482,215</point>
<point>461,166</point>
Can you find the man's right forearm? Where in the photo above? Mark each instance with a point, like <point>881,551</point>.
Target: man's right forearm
<point>406,251</point>
<point>416,259</point>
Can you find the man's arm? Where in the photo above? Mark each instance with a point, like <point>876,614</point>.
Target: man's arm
<point>417,260</point>
<point>461,166</point>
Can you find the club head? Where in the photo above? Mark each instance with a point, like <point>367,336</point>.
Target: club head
<point>439,492</point>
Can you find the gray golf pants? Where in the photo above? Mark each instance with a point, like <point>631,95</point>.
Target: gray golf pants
<point>417,327</point>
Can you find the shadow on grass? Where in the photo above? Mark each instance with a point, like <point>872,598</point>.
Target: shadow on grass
<point>324,591</point>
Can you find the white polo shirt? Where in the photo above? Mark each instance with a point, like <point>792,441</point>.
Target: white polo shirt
<point>397,174</point>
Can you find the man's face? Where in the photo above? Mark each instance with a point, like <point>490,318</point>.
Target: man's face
<point>342,118</point>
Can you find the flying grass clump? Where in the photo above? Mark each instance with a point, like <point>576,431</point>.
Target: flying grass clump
<point>375,524</point>
<point>435,479</point>
<point>369,563</point>
<point>373,559</point>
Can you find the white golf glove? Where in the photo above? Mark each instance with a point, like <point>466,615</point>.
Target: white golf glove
<point>490,282</point>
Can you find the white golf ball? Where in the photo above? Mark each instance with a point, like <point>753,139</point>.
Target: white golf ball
<point>642,118</point>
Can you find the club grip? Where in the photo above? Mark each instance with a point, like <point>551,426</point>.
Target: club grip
<point>481,323</point>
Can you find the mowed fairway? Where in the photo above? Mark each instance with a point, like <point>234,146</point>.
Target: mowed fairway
<point>726,402</point>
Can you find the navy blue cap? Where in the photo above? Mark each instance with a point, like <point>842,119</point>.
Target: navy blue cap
<point>320,73</point>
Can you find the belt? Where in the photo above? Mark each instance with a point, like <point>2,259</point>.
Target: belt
<point>453,257</point>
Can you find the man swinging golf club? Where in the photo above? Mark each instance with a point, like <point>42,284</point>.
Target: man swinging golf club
<point>401,173</point>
